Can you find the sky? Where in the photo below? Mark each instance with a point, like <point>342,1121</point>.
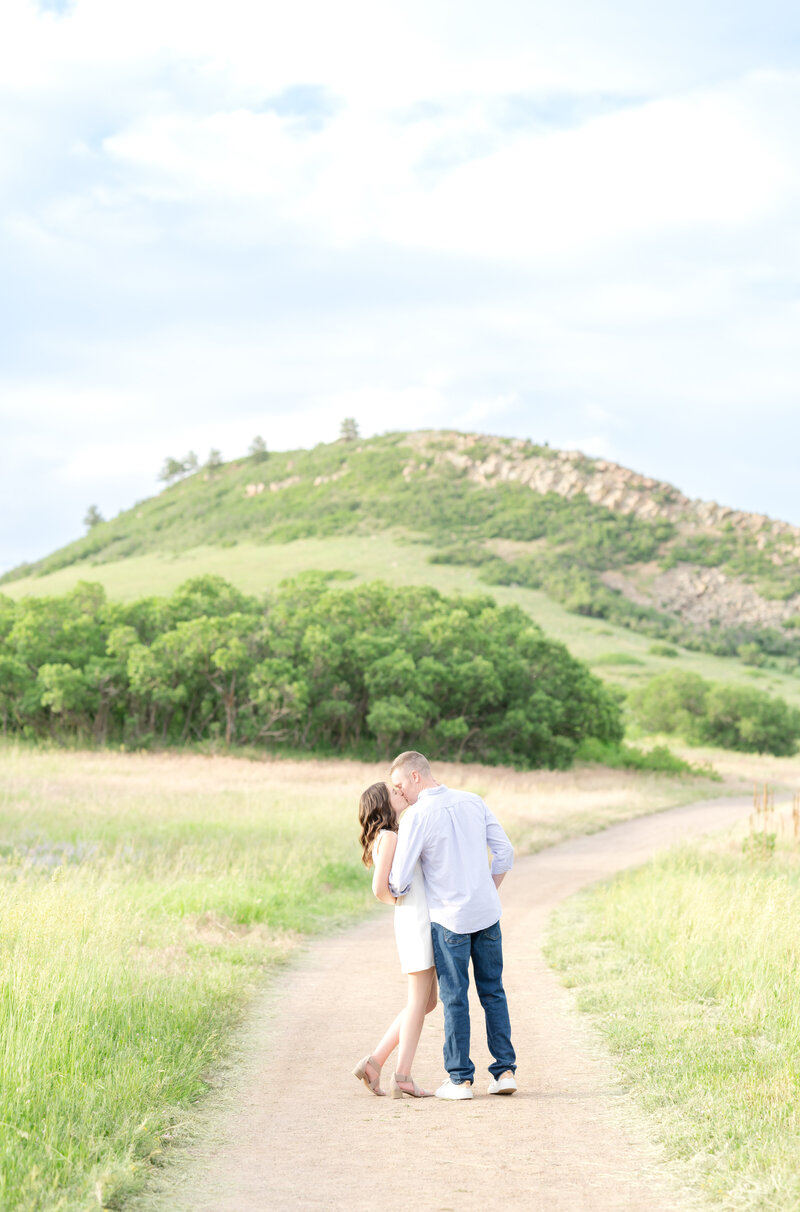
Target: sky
<point>575,223</point>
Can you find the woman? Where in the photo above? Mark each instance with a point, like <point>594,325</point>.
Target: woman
<point>378,812</point>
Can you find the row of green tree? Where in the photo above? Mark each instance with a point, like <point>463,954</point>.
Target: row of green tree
<point>173,469</point>
<point>176,469</point>
<point>362,671</point>
<point>715,713</point>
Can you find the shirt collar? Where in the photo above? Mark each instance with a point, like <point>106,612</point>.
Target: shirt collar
<point>431,791</point>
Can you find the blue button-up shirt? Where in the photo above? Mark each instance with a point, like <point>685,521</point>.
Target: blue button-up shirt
<point>449,832</point>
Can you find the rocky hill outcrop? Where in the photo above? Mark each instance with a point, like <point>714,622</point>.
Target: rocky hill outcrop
<point>702,596</point>
<point>569,473</point>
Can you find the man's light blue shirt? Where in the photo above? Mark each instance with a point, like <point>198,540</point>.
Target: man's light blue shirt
<point>449,832</point>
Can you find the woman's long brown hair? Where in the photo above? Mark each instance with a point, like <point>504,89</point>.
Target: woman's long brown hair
<point>375,812</point>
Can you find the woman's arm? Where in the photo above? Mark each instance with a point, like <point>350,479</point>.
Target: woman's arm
<point>383,865</point>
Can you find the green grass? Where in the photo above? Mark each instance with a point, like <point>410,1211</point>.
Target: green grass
<point>691,967</point>
<point>616,658</point>
<point>144,898</point>
<point>389,556</point>
<point>138,914</point>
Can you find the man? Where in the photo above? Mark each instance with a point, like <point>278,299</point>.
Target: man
<point>449,833</point>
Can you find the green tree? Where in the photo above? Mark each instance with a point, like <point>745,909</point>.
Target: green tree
<point>171,470</point>
<point>214,460</point>
<point>216,653</point>
<point>349,430</point>
<point>279,700</point>
<point>708,713</point>
<point>16,685</point>
<point>158,690</point>
<point>208,595</point>
<point>93,517</point>
<point>750,654</point>
<point>361,670</point>
<point>747,719</point>
<point>191,462</point>
<point>672,702</point>
<point>258,449</point>
<point>394,719</point>
<point>64,690</point>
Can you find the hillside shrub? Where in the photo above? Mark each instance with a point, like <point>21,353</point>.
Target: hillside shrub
<point>616,658</point>
<point>669,703</point>
<point>744,718</point>
<point>628,757</point>
<point>706,713</point>
<point>750,654</point>
<point>363,671</point>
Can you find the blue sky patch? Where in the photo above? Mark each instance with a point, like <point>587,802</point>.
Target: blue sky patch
<point>310,106</point>
<point>61,7</point>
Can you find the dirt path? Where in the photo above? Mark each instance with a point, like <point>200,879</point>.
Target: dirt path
<point>292,1129</point>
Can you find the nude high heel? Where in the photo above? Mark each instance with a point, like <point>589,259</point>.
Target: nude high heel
<point>397,1091</point>
<point>360,1072</point>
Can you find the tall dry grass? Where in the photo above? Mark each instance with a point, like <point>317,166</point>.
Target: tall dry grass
<point>144,897</point>
<point>691,966</point>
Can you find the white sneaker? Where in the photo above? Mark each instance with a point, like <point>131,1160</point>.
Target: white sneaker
<point>450,1090</point>
<point>504,1084</point>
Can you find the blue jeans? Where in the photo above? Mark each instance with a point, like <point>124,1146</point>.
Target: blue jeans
<point>452,953</point>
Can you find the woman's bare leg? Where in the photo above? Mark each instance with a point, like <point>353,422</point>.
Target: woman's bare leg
<point>421,1000</point>
<point>391,1038</point>
<point>389,1041</point>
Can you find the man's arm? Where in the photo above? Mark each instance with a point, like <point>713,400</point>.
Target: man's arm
<point>500,846</point>
<point>410,840</point>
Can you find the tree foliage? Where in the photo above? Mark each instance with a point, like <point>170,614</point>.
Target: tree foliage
<point>744,718</point>
<point>175,469</point>
<point>93,517</point>
<point>707,713</point>
<point>362,671</point>
<point>258,449</point>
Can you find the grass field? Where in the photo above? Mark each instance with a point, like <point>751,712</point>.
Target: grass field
<point>144,898</point>
<point>615,653</point>
<point>690,965</point>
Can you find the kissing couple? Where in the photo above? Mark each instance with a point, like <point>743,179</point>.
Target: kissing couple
<point>428,846</point>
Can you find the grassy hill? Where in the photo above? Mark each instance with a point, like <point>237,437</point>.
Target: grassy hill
<point>630,574</point>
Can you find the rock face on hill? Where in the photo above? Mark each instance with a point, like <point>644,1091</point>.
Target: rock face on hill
<point>569,473</point>
<point>706,597</point>
<point>702,596</point>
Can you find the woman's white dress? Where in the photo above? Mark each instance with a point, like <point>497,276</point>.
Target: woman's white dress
<point>412,925</point>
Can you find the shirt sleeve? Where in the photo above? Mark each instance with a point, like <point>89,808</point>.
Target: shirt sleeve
<point>498,843</point>
<point>410,840</point>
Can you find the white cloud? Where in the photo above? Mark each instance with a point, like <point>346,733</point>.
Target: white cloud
<point>511,219</point>
<point>595,444</point>
<point>705,161</point>
<point>487,412</point>
<point>379,52</point>
<point>698,161</point>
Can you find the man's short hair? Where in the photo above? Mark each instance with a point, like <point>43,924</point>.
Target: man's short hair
<point>404,763</point>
